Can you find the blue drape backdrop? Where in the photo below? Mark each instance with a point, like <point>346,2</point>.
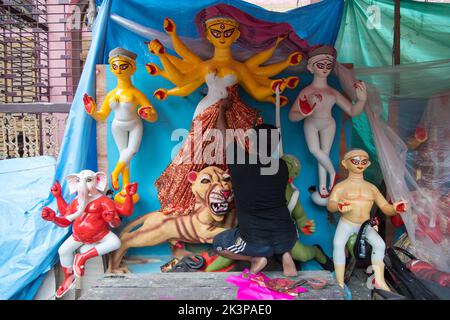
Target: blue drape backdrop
<point>318,23</point>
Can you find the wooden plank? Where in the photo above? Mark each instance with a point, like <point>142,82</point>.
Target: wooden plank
<point>194,286</point>
<point>102,127</point>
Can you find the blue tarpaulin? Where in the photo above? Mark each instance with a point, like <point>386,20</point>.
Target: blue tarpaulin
<point>25,261</point>
<point>33,256</point>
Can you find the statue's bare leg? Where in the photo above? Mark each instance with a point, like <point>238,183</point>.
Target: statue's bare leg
<point>313,142</point>
<point>326,141</point>
<point>133,139</point>
<point>120,136</point>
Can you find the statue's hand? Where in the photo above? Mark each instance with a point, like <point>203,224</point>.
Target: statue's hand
<point>156,47</point>
<point>306,108</point>
<point>89,104</point>
<point>152,69</point>
<point>160,94</point>
<point>147,113</point>
<point>281,83</point>
<point>170,26</point>
<point>109,216</point>
<point>131,189</point>
<point>344,206</point>
<point>308,228</point>
<point>56,189</point>
<point>419,137</point>
<point>295,58</point>
<point>361,90</point>
<point>400,206</point>
<point>48,214</point>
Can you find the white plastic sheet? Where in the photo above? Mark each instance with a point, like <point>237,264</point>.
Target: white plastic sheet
<point>409,114</point>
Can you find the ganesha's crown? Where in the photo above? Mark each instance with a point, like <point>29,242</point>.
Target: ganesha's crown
<point>221,20</point>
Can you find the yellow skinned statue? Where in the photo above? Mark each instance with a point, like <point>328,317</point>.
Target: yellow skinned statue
<point>126,126</point>
<point>222,26</point>
<point>353,198</point>
<point>190,72</point>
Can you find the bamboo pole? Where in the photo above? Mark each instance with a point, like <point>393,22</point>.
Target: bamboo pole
<point>393,103</point>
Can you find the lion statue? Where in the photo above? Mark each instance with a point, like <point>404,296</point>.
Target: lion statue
<point>213,213</point>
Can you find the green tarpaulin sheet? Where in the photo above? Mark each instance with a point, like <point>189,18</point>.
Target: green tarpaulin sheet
<point>366,39</point>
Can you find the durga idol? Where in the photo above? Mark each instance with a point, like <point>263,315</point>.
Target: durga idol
<point>222,26</point>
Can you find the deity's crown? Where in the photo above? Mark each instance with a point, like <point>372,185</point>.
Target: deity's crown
<point>221,20</point>
<point>122,53</point>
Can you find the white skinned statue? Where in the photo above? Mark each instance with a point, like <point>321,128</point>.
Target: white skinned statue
<point>315,103</point>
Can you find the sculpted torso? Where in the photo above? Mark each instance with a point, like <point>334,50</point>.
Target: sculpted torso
<point>361,196</point>
<point>324,107</point>
<point>189,72</point>
<point>124,104</point>
<point>217,90</point>
<point>90,226</point>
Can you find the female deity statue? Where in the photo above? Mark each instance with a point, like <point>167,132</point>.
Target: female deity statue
<point>127,125</point>
<point>314,104</point>
<point>222,25</point>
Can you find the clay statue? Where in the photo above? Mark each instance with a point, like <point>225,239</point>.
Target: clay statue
<point>213,213</point>
<point>353,198</point>
<point>300,252</point>
<point>127,125</point>
<point>91,215</point>
<point>222,25</point>
<point>315,103</point>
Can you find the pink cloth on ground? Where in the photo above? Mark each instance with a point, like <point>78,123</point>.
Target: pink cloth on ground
<point>250,289</point>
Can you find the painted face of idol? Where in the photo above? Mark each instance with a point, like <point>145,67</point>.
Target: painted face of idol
<point>323,67</point>
<point>222,33</point>
<point>357,164</point>
<point>122,67</point>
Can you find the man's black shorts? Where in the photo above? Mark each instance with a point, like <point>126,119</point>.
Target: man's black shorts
<point>231,240</point>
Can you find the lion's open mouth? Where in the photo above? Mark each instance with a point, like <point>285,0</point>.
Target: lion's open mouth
<point>218,204</point>
<point>220,208</point>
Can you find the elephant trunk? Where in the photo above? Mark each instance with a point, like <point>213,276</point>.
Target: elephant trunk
<point>83,200</point>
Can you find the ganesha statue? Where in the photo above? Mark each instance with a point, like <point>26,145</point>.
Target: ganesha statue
<point>213,213</point>
<point>91,215</point>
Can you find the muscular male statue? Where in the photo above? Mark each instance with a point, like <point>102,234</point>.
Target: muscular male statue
<point>353,198</point>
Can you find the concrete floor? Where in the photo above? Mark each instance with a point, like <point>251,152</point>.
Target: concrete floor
<point>358,286</point>
<point>94,272</point>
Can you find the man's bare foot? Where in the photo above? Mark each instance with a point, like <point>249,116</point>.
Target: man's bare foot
<point>257,264</point>
<point>289,269</point>
<point>120,270</point>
